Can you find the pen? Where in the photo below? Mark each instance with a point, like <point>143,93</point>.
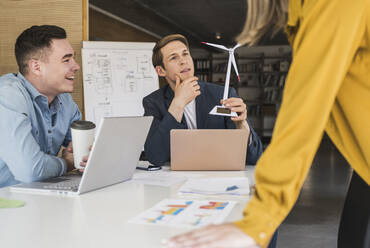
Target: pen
<point>234,187</point>
<point>149,168</point>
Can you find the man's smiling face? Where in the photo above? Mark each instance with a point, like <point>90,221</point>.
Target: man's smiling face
<point>59,68</point>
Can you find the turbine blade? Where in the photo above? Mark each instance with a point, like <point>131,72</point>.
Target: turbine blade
<point>237,45</point>
<point>234,64</point>
<point>216,45</point>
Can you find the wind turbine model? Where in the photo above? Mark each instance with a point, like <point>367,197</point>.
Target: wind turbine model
<point>221,109</point>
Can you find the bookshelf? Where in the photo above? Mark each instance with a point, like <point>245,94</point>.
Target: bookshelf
<point>263,71</point>
<point>203,69</point>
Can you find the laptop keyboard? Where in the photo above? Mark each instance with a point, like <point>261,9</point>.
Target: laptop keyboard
<point>64,185</point>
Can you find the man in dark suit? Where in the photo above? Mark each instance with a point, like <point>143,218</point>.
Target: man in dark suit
<point>185,103</point>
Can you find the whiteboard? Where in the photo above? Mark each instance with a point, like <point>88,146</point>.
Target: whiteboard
<point>116,77</point>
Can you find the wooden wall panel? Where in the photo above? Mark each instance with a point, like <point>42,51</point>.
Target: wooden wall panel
<point>17,15</point>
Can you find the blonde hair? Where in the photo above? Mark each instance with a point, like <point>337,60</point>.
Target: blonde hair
<point>263,16</point>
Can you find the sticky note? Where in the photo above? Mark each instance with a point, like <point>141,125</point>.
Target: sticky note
<point>5,203</point>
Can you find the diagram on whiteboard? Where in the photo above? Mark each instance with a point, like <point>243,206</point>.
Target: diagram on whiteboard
<point>131,83</point>
<point>100,74</point>
<point>116,77</point>
<point>144,66</point>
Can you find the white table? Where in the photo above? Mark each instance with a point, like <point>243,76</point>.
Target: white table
<point>98,218</point>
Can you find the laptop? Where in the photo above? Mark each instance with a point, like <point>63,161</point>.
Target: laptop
<point>113,159</point>
<point>208,149</point>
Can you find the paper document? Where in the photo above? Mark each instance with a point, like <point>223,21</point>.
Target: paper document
<point>217,186</point>
<point>185,213</point>
<point>158,178</point>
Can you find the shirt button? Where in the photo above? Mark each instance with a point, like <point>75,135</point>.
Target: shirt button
<point>262,235</point>
<point>49,131</point>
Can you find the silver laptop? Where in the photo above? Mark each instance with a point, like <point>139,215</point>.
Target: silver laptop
<point>113,159</point>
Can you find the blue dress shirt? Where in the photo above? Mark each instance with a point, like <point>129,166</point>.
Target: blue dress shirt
<point>31,131</point>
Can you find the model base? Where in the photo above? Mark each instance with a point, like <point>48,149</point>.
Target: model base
<point>222,110</point>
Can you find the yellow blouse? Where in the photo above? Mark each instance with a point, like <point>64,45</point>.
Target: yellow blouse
<point>327,88</point>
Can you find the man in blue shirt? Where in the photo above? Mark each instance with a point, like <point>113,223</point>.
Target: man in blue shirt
<point>36,108</point>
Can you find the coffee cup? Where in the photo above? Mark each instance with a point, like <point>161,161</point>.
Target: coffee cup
<point>83,133</point>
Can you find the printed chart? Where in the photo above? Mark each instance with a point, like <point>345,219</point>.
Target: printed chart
<point>185,213</point>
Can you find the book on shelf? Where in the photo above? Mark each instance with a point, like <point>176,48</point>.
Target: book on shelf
<point>271,95</point>
<point>267,68</point>
<point>202,65</point>
<point>274,80</point>
<point>205,77</point>
<point>282,80</point>
<point>269,109</point>
<point>254,110</point>
<point>220,67</point>
<point>284,65</point>
<point>251,67</point>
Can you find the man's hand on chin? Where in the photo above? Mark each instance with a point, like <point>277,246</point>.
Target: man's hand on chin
<point>185,92</point>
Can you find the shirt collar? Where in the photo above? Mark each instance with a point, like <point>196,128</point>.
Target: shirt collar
<point>294,16</point>
<point>34,93</point>
<point>168,92</point>
<point>55,105</point>
<point>295,12</point>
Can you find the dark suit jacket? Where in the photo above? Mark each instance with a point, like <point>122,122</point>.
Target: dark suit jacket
<point>157,145</point>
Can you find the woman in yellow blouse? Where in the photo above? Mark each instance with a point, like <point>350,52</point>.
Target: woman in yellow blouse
<point>327,89</point>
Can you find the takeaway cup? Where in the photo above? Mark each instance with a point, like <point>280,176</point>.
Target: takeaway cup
<point>82,138</point>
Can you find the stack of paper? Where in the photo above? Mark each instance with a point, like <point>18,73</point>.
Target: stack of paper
<point>217,186</point>
<point>158,178</point>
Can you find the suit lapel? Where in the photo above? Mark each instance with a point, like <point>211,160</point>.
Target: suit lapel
<point>168,96</point>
